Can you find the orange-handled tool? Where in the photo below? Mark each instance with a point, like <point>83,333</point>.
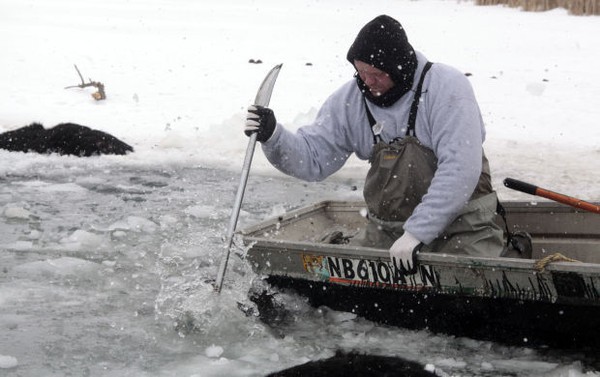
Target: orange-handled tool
<point>561,198</point>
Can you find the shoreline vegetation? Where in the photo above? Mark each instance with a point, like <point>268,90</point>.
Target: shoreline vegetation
<point>574,7</point>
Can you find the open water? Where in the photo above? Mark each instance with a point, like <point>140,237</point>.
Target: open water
<point>107,269</point>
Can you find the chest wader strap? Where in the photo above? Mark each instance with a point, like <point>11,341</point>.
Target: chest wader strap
<point>519,241</point>
<point>373,123</point>
<point>412,115</point>
<point>502,212</point>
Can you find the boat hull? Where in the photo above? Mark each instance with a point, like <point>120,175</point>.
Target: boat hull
<point>510,300</point>
<point>504,320</point>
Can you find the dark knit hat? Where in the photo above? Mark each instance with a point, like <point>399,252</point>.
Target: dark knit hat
<point>383,44</point>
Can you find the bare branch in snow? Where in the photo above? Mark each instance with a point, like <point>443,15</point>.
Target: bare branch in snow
<point>98,95</point>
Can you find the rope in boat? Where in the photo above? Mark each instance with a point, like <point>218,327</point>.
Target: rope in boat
<point>541,264</point>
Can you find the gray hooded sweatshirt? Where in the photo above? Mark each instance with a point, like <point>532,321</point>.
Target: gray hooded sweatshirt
<point>448,122</point>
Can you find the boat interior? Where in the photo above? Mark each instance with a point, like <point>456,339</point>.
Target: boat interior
<point>552,227</point>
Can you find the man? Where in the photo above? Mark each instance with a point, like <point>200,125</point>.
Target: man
<point>420,127</point>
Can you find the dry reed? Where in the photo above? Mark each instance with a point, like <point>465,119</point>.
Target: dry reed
<point>575,7</point>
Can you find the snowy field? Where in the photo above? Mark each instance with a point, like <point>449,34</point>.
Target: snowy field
<point>105,262</point>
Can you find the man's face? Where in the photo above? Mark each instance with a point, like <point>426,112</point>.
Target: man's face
<point>376,80</point>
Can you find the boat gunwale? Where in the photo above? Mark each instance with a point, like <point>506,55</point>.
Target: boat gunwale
<point>433,259</point>
<point>250,237</point>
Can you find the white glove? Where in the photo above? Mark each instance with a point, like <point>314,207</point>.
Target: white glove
<point>403,253</point>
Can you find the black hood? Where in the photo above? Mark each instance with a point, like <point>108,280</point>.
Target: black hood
<point>383,44</point>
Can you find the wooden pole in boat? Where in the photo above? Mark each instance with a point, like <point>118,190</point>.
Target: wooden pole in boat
<point>262,99</point>
<point>561,198</point>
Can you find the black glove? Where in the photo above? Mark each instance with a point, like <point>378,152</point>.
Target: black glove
<point>260,120</point>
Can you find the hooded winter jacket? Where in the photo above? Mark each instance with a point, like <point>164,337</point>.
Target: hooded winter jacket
<point>448,122</point>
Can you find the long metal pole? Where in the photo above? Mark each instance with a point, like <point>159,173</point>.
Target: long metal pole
<point>236,210</point>
<point>262,98</point>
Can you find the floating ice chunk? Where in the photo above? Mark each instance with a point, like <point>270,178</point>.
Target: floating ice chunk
<point>337,317</point>
<point>16,212</point>
<point>140,224</point>
<point>60,266</point>
<point>34,235</point>
<point>119,225</point>
<point>50,187</point>
<point>451,363</point>
<point>7,362</point>
<point>208,212</point>
<point>64,187</point>
<point>134,223</point>
<point>167,220</point>
<point>109,263</point>
<point>118,234</point>
<point>539,366</point>
<point>82,239</point>
<point>20,245</point>
<point>213,351</point>
<point>221,361</point>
